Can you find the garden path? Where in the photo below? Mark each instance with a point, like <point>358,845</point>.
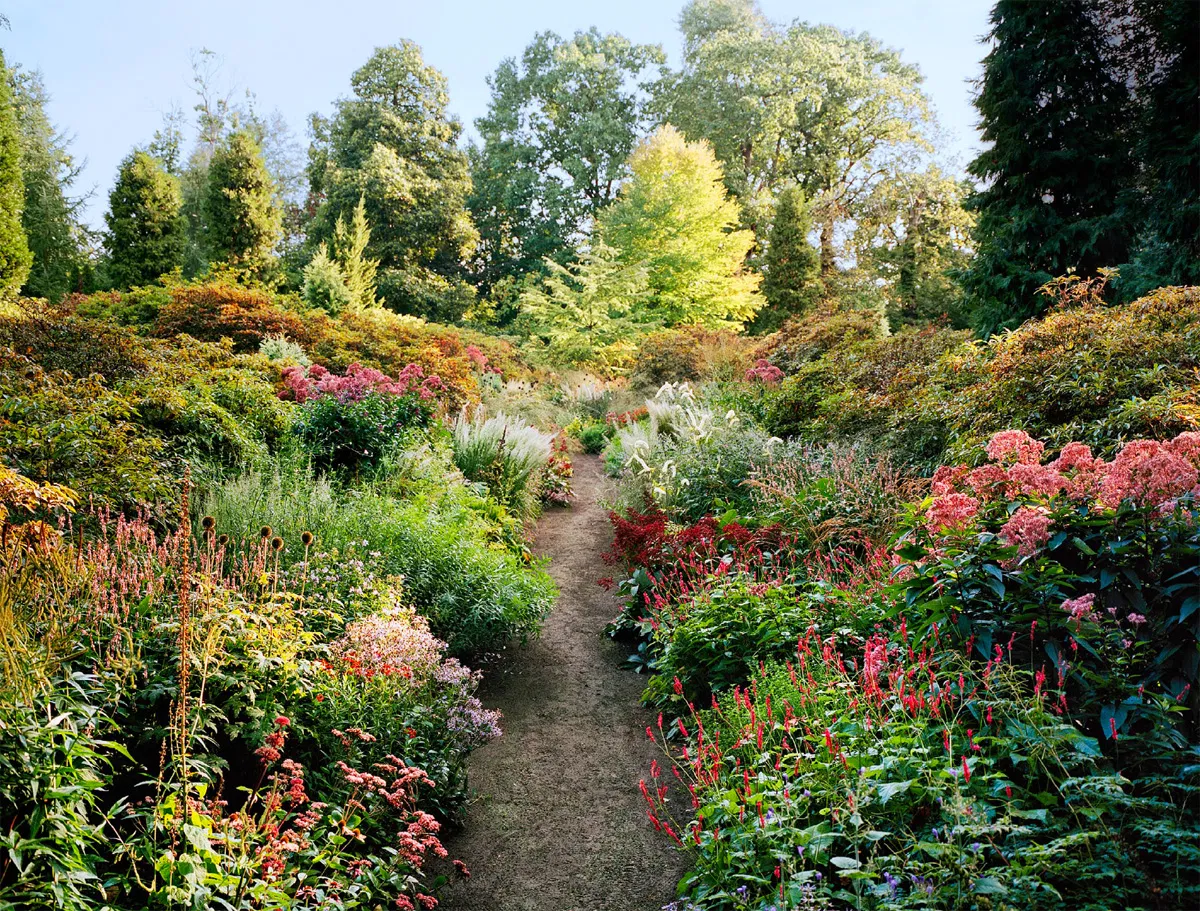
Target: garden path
<point>559,823</point>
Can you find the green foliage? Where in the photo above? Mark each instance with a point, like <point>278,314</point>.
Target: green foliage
<point>1054,168</point>
<point>852,116</point>
<point>588,313</point>
<point>791,264</point>
<point>350,247</point>
<point>50,218</point>
<point>15,257</point>
<point>1085,372</point>
<point>594,437</point>
<point>674,221</point>
<point>393,146</point>
<point>357,434</point>
<point>914,236</point>
<point>324,284</point>
<point>146,231</point>
<point>560,126</point>
<point>242,221</point>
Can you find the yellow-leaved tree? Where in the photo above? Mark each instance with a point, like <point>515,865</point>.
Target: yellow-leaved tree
<point>675,222</point>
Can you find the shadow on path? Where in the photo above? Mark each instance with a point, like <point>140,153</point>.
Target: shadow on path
<point>559,823</point>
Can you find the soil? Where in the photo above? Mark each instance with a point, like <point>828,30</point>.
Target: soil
<point>559,823</point>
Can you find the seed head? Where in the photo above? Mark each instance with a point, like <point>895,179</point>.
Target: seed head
<point>265,531</point>
<point>277,543</point>
<point>307,538</point>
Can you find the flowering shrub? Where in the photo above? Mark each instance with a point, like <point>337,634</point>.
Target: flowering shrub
<point>896,774</point>
<point>353,419</point>
<point>1092,565</point>
<point>764,372</point>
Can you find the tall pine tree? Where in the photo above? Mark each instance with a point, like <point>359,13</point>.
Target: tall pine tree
<point>792,263</point>
<point>243,221</point>
<point>1052,112</point>
<point>15,258</point>
<point>146,231</point>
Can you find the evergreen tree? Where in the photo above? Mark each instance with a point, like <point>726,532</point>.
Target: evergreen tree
<point>1160,57</point>
<point>350,249</point>
<point>146,232</point>
<point>324,284</point>
<point>394,146</point>
<point>50,218</point>
<point>1052,112</point>
<point>15,258</point>
<point>792,265</point>
<point>242,219</point>
<point>675,221</point>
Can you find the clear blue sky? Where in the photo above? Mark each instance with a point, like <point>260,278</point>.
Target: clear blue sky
<point>113,66</point>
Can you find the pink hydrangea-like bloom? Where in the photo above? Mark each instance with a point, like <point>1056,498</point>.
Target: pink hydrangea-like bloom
<point>764,371</point>
<point>1148,473</point>
<point>988,481</point>
<point>1074,457</point>
<point>1136,619</point>
<point>1028,529</point>
<point>396,642</point>
<point>1015,446</point>
<point>1080,608</point>
<point>1187,446</point>
<point>947,479</point>
<point>952,510</point>
<point>1030,478</point>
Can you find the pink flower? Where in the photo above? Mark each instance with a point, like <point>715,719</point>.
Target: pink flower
<point>1015,446</point>
<point>947,478</point>
<point>988,480</point>
<point>1148,473</point>
<point>1074,457</point>
<point>1080,608</point>
<point>1028,529</point>
<point>952,510</point>
<point>1136,619</point>
<point>1187,446</point>
<point>1030,478</point>
<point>764,372</point>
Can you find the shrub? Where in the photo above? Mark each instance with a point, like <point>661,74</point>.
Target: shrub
<point>1084,564</point>
<point>282,350</point>
<point>593,438</point>
<point>354,420</point>
<point>689,354</point>
<point>217,310</point>
<point>807,338</point>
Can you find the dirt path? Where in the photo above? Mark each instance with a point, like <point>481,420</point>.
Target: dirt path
<point>559,824</point>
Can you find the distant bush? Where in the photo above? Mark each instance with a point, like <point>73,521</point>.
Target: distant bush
<point>1086,372</point>
<point>690,354</point>
<point>217,310</point>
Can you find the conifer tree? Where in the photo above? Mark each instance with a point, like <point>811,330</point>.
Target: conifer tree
<point>1052,113</point>
<point>146,231</point>
<point>792,264</point>
<point>350,248</point>
<point>243,222</point>
<point>15,258</point>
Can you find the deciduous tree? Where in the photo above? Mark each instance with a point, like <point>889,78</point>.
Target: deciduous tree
<point>15,258</point>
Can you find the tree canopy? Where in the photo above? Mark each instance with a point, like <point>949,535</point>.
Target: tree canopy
<point>559,129</point>
<point>146,231</point>
<point>15,257</point>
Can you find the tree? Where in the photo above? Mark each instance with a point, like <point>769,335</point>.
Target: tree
<point>1056,165</point>
<point>350,250</point>
<point>394,147</point>
<point>49,216</point>
<point>833,113</point>
<point>791,263</point>
<point>15,258</point>
<point>242,221</point>
<point>588,311</point>
<point>146,231</point>
<point>675,221</point>
<point>324,284</point>
<point>913,237</point>
<point>1156,46</point>
<point>558,132</point>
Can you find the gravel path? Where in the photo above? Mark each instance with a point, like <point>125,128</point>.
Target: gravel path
<point>559,823</point>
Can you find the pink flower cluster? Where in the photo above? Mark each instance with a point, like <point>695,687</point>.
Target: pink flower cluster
<point>1145,472</point>
<point>397,642</point>
<point>301,384</point>
<point>479,360</point>
<point>764,371</point>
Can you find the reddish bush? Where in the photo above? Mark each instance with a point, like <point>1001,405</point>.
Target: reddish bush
<point>214,311</point>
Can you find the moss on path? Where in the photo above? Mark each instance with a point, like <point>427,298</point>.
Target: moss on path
<point>559,823</point>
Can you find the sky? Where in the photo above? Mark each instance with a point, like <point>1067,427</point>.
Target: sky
<point>112,68</point>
